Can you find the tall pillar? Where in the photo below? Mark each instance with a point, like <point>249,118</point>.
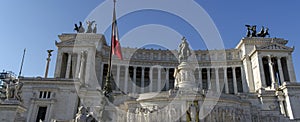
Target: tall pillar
<point>151,80</point>
<point>126,79</point>
<point>134,80</point>
<point>226,80</point>
<point>217,80</point>
<point>143,80</point>
<point>291,70</point>
<point>280,70</point>
<point>58,65</point>
<point>208,78</point>
<point>271,72</point>
<point>243,76</point>
<point>167,79</point>
<point>101,74</point>
<point>68,65</point>
<point>159,79</point>
<point>118,77</point>
<point>78,66</point>
<point>200,78</point>
<point>262,72</point>
<point>234,81</point>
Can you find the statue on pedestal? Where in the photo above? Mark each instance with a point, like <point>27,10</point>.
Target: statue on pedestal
<point>184,74</point>
<point>184,51</point>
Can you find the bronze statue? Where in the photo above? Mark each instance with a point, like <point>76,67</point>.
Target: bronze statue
<point>253,31</point>
<point>266,33</point>
<point>79,29</point>
<point>89,24</point>
<point>262,32</point>
<point>248,30</point>
<point>95,29</point>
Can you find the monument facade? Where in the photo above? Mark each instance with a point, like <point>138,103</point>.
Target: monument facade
<point>255,81</point>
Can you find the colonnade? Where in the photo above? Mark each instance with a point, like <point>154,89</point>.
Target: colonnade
<point>142,79</point>
<point>276,70</point>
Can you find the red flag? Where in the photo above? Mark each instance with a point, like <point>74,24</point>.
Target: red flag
<point>115,44</point>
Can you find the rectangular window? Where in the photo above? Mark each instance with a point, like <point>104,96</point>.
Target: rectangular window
<point>45,95</point>
<point>41,114</point>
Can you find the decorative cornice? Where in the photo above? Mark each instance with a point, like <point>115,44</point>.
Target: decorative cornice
<point>260,41</point>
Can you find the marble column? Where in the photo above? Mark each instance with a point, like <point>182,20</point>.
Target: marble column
<point>68,66</point>
<point>280,70</point>
<point>151,80</point>
<point>234,81</point>
<point>291,70</point>
<point>167,79</point>
<point>101,74</point>
<point>117,81</point>
<point>143,80</point>
<point>243,76</point>
<point>58,65</point>
<point>208,78</point>
<point>159,83</point>
<point>226,80</point>
<point>126,79</point>
<point>77,66</point>
<point>134,80</point>
<point>262,72</point>
<point>217,80</point>
<point>271,72</point>
<point>200,78</point>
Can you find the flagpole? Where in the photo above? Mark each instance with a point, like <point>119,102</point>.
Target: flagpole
<point>107,87</point>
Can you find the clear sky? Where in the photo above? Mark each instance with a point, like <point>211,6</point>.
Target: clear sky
<point>35,24</point>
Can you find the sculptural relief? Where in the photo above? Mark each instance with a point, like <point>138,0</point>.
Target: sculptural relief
<point>11,90</point>
<point>83,116</point>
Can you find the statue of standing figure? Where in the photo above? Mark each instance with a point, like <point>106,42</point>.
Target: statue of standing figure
<point>184,51</point>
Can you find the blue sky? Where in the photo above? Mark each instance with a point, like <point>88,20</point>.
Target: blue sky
<point>35,24</point>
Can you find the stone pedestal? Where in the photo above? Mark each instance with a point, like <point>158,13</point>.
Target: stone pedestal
<point>11,111</point>
<point>185,77</point>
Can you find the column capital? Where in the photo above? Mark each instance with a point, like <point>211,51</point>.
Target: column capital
<point>233,67</point>
<point>270,56</point>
